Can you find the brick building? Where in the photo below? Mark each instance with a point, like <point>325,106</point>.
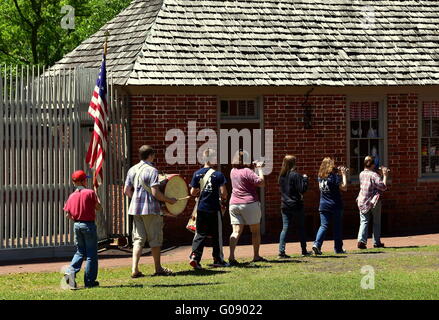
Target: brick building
<point>331,78</point>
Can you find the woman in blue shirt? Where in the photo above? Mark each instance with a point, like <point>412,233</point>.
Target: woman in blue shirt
<point>331,181</point>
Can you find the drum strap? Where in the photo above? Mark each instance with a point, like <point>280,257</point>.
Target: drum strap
<point>137,177</point>
<point>206,177</point>
<point>203,183</point>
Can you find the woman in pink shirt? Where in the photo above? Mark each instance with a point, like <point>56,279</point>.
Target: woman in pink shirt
<point>245,208</point>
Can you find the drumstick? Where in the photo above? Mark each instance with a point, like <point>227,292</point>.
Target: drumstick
<point>183,198</point>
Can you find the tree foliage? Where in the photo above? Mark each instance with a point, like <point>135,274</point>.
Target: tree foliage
<point>31,32</point>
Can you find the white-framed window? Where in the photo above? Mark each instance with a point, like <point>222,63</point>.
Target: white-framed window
<point>239,109</point>
<point>430,138</point>
<point>366,134</point>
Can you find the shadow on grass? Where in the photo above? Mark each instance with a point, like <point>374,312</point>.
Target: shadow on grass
<point>367,252</point>
<point>203,272</point>
<point>113,256</point>
<point>406,247</point>
<point>183,285</point>
<point>250,265</point>
<point>287,261</point>
<point>123,286</point>
<point>331,256</point>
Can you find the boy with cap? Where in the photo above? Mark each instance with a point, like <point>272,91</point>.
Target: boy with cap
<point>81,208</point>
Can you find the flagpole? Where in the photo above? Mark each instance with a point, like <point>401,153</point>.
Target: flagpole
<point>107,34</point>
<point>101,219</point>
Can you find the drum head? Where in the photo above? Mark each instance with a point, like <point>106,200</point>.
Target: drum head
<point>177,188</point>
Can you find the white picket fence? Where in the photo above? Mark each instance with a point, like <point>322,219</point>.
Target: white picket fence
<point>45,131</point>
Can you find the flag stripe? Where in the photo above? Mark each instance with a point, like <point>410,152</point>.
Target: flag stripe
<point>98,111</point>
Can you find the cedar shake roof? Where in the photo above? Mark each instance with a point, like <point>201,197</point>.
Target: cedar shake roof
<point>128,31</point>
<point>269,43</point>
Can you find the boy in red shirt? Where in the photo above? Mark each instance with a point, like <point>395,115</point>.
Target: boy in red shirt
<point>81,207</point>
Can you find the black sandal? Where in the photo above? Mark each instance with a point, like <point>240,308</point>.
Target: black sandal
<point>260,259</point>
<point>233,262</point>
<point>164,272</point>
<point>137,275</point>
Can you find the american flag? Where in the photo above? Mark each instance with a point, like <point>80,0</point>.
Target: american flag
<point>98,111</point>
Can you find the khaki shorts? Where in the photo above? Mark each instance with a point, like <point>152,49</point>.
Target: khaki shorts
<point>245,213</point>
<point>148,227</point>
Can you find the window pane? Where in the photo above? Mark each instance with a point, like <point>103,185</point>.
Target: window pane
<point>365,111</point>
<point>239,109</point>
<point>435,127</point>
<point>224,108</point>
<point>430,110</point>
<point>434,155</point>
<point>434,147</point>
<point>355,150</point>
<point>424,147</point>
<point>426,110</point>
<point>355,112</point>
<point>355,129</point>
<point>426,128</point>
<point>365,125</point>
<point>425,165</point>
<point>375,151</point>
<point>425,158</point>
<point>251,109</point>
<point>233,108</point>
<point>374,110</point>
<point>364,148</point>
<point>373,131</point>
<point>434,163</point>
<point>242,108</point>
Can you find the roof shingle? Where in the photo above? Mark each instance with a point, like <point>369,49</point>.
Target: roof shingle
<point>269,42</point>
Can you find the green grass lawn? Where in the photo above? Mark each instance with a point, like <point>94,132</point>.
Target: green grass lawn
<point>401,273</point>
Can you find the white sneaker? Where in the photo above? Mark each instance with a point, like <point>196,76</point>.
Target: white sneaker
<point>69,281</point>
<point>316,250</point>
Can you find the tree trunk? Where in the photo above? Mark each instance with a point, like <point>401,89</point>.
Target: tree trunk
<point>34,44</point>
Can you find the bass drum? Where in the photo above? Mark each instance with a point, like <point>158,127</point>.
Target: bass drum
<point>174,186</point>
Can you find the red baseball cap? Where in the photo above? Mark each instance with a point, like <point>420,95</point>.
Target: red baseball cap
<point>79,175</point>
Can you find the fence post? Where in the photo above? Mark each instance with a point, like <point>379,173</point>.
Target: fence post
<point>2,165</point>
<point>41,113</point>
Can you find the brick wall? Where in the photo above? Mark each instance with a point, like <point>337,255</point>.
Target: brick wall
<point>151,117</point>
<point>409,205</point>
<point>327,137</point>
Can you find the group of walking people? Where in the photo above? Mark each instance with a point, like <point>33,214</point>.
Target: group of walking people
<point>332,180</point>
<point>245,209</point>
<point>209,186</point>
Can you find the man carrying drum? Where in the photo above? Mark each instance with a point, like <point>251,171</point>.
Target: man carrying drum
<point>209,185</point>
<point>142,186</point>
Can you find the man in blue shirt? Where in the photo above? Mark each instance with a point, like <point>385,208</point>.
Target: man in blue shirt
<point>210,186</point>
